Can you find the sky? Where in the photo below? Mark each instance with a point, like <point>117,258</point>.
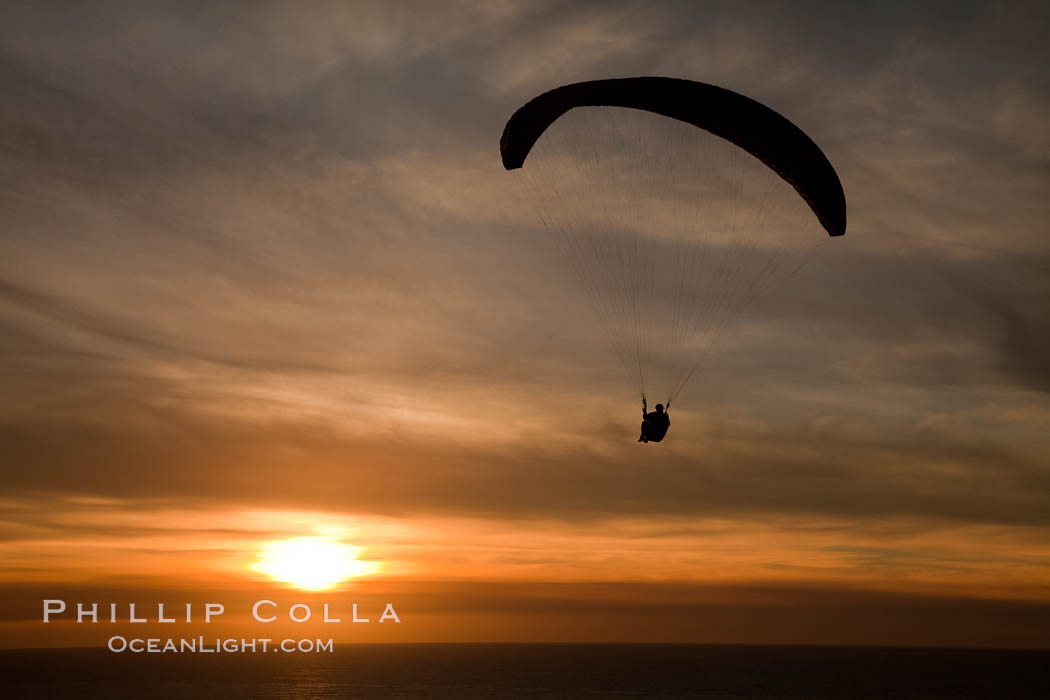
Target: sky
<point>263,276</point>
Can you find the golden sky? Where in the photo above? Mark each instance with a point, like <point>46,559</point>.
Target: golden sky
<point>263,276</point>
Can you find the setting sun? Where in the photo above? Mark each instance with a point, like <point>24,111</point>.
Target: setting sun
<point>312,563</point>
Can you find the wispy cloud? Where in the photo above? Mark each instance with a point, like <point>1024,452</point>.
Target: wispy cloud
<point>269,259</point>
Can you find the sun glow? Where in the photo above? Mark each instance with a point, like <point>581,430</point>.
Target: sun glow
<point>312,563</point>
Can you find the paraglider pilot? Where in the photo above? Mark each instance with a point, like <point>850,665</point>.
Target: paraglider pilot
<point>654,423</point>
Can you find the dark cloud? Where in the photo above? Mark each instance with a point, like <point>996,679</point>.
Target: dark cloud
<point>131,450</point>
<point>628,612</point>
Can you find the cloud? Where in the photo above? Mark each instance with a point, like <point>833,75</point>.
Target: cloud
<point>270,259</point>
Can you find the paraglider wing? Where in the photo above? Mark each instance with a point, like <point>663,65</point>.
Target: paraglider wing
<point>748,124</point>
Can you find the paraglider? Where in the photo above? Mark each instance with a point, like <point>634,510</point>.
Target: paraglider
<point>676,203</point>
<point>654,424</point>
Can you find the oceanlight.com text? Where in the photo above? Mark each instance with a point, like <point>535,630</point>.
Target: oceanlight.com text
<point>215,645</point>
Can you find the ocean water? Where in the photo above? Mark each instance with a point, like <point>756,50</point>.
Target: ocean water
<point>533,671</point>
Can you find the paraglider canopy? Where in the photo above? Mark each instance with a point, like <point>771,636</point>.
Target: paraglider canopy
<point>675,202</point>
<point>740,120</point>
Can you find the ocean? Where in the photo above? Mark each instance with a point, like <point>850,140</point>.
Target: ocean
<point>464,671</point>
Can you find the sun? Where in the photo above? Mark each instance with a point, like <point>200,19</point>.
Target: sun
<point>312,563</point>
